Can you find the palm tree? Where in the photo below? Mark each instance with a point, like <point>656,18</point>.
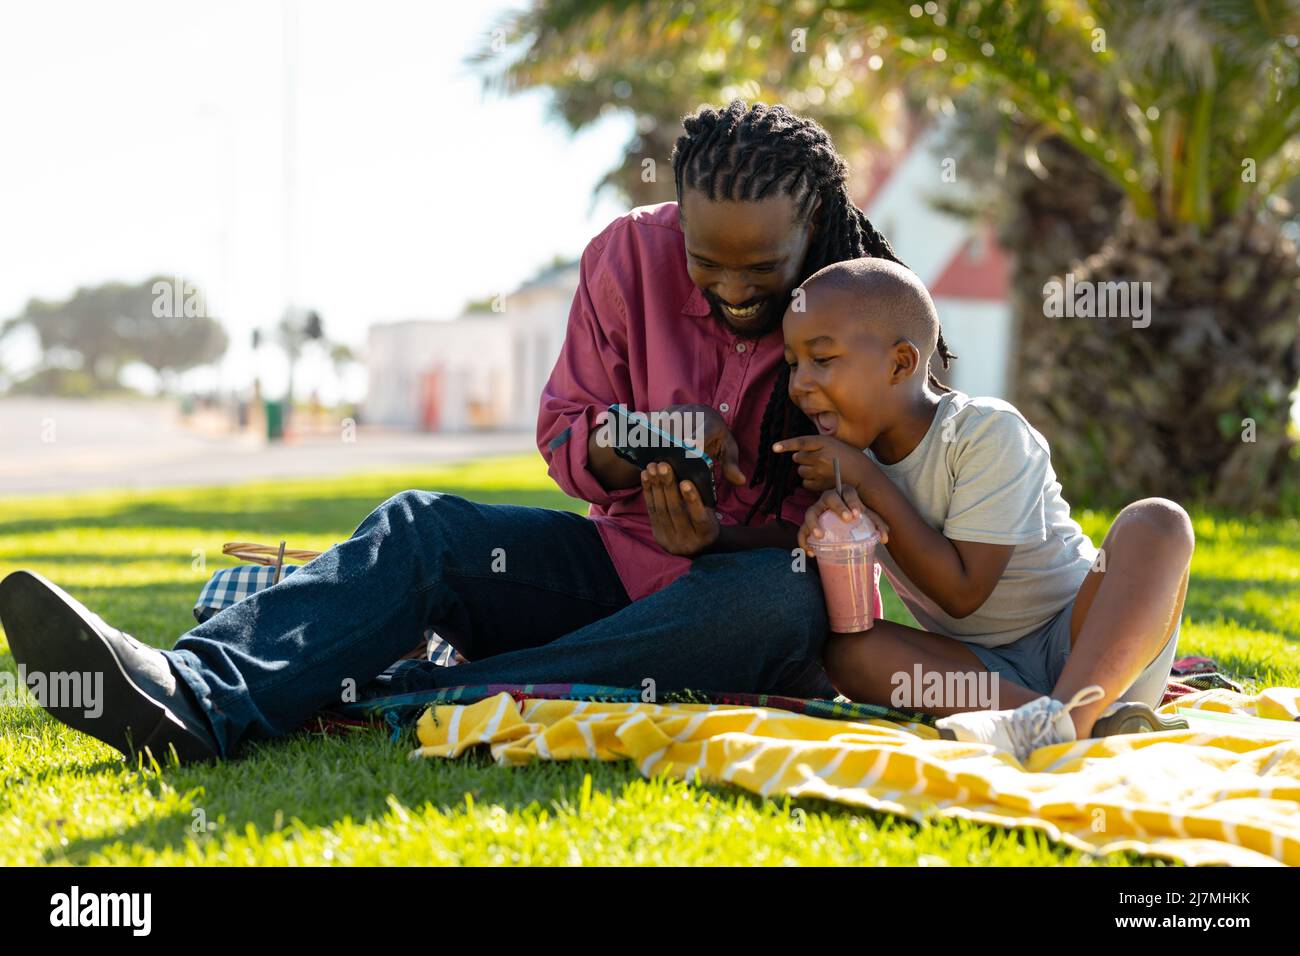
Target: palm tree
<point>1187,112</point>
<point>1180,114</point>
<point>1174,120</point>
<point>660,61</point>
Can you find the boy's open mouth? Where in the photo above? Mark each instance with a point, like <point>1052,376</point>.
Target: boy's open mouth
<point>826,422</point>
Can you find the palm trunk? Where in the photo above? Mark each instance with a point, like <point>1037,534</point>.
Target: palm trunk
<point>1193,406</point>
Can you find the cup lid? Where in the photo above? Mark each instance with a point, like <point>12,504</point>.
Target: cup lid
<point>838,531</point>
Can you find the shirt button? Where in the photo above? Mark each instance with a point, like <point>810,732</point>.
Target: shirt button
<point>718,515</point>
<point>724,408</point>
<point>740,346</point>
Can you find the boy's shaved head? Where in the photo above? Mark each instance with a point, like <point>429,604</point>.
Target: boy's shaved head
<point>886,295</point>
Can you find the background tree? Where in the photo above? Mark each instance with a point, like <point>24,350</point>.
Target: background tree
<point>341,357</point>
<point>296,329</point>
<point>100,329</point>
<point>1147,141</point>
<point>661,61</point>
<point>171,340</point>
<point>1187,112</point>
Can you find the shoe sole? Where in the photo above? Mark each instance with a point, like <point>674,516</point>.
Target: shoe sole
<point>1132,717</point>
<point>1126,717</point>
<point>49,635</point>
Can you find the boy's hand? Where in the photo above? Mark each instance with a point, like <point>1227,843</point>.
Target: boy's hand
<point>815,455</point>
<point>848,507</point>
<point>678,517</point>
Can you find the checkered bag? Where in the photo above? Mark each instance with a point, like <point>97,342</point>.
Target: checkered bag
<point>231,585</point>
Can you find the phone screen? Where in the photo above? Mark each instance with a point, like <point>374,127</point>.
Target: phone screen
<point>638,441</point>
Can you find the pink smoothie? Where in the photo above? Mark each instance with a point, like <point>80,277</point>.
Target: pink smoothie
<point>846,558</point>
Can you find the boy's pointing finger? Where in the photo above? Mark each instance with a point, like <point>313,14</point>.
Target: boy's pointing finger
<point>800,443</point>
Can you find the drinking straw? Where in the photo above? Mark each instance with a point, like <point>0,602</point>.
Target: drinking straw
<point>839,489</point>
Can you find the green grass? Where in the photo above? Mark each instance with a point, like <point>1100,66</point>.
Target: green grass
<point>67,799</point>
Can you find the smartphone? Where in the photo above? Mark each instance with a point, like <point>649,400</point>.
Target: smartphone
<point>638,441</point>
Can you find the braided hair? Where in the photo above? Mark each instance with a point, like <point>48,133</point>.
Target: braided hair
<point>747,154</point>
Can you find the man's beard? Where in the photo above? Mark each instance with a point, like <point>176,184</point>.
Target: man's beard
<point>766,319</point>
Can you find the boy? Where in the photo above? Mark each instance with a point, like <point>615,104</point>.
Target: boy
<point>981,546</point>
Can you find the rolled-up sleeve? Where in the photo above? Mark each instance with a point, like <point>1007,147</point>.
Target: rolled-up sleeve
<point>590,375</point>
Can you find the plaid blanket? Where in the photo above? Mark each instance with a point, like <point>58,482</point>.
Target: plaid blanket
<point>231,585</point>
<point>399,710</point>
<point>1189,675</point>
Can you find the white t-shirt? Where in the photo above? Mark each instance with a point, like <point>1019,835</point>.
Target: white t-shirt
<point>983,473</point>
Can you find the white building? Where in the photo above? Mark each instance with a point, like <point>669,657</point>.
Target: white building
<point>481,370</point>
<point>487,369</point>
<point>538,313</point>
<point>446,375</point>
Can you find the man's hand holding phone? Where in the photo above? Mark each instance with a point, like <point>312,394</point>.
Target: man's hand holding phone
<point>682,523</point>
<point>681,516</point>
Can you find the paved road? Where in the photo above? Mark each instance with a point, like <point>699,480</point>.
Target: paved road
<point>62,445</point>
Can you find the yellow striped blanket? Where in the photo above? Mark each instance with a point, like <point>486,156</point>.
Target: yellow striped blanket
<point>1225,791</point>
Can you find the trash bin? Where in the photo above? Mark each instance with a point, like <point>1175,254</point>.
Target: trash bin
<point>274,420</point>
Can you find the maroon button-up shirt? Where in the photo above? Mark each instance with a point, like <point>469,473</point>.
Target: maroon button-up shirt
<point>640,333</point>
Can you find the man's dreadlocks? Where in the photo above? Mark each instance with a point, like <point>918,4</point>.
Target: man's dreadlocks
<point>747,154</point>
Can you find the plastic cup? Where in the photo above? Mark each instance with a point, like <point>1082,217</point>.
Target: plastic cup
<point>846,560</point>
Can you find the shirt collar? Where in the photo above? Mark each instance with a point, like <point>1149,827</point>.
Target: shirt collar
<point>696,304</point>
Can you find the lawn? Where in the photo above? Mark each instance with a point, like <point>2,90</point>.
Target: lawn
<point>136,559</point>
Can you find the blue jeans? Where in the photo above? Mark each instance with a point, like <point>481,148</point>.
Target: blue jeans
<point>529,595</point>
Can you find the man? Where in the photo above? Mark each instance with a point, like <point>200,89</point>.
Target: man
<point>678,308</point>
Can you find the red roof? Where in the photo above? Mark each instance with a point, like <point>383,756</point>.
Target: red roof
<point>979,270</point>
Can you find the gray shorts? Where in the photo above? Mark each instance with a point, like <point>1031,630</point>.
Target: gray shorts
<point>1037,659</point>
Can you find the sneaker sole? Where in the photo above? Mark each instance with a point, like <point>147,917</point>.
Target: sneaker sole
<point>1131,717</point>
<point>1127,717</point>
<point>48,634</point>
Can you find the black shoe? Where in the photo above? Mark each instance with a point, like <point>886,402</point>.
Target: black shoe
<point>144,705</point>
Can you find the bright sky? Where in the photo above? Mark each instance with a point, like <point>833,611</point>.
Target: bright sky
<point>147,137</point>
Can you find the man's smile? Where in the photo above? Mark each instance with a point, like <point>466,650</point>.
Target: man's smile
<point>753,318</point>
<point>747,312</point>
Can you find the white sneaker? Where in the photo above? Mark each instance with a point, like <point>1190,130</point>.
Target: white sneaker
<point>1039,723</point>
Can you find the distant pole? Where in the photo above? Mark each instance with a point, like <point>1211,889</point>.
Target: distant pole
<point>289,154</point>
<point>217,297</point>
